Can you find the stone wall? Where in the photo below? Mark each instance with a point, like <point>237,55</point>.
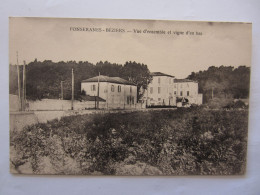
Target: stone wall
<point>55,104</point>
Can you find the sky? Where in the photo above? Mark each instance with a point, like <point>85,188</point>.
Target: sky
<point>197,46</point>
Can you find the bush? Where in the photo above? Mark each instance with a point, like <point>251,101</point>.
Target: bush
<point>235,105</point>
<point>218,103</point>
<point>172,142</point>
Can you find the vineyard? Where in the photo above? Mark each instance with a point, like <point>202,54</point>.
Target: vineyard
<point>190,141</point>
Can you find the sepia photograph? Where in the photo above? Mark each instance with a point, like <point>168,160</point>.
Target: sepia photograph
<point>125,97</point>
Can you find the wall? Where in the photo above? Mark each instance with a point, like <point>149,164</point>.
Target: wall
<point>55,104</point>
<point>13,103</point>
<point>114,99</point>
<point>121,99</point>
<point>166,95</point>
<point>192,87</point>
<point>19,120</point>
<point>200,99</point>
<point>170,90</point>
<point>103,87</point>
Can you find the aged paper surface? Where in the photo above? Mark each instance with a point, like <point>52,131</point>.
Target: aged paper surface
<point>128,97</point>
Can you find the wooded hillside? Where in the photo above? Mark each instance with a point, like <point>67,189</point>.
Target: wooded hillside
<point>223,82</point>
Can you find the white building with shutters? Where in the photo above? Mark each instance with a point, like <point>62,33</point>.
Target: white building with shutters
<point>117,92</point>
<point>166,90</point>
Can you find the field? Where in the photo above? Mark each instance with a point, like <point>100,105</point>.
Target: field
<point>191,141</point>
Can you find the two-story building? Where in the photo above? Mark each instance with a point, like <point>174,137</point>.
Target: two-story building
<point>160,90</point>
<point>166,90</point>
<point>117,92</point>
<point>188,89</point>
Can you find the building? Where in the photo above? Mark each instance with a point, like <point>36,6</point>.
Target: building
<point>160,90</point>
<point>188,89</point>
<point>117,92</point>
<point>166,90</point>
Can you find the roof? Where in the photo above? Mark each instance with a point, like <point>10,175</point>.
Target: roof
<point>92,98</point>
<point>161,74</point>
<point>103,78</point>
<point>183,81</point>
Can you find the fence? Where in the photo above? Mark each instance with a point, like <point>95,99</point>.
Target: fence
<point>13,103</point>
<point>54,104</point>
<point>58,105</point>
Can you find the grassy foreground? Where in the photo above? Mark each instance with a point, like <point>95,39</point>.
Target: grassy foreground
<point>170,142</point>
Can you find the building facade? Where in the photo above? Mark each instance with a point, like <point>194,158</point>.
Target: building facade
<point>117,92</point>
<point>188,89</point>
<point>160,90</point>
<point>166,90</point>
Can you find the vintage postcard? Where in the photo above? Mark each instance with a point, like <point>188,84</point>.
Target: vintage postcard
<point>128,97</point>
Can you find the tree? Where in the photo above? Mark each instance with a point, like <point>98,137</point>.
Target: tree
<point>224,81</point>
<point>139,74</point>
<point>109,69</point>
<point>44,78</point>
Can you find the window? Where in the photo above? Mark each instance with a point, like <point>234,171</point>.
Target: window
<point>188,93</point>
<point>159,99</point>
<point>159,89</point>
<point>112,88</point>
<point>180,93</point>
<point>130,89</point>
<point>159,80</point>
<point>151,90</point>
<point>93,87</point>
<point>119,88</point>
<point>130,100</point>
<point>175,93</point>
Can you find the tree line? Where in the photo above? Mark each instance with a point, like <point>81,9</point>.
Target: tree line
<point>223,82</point>
<point>43,79</point>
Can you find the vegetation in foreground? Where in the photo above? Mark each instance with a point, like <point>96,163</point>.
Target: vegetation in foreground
<point>170,142</point>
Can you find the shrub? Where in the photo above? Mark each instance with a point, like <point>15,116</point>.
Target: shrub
<point>176,142</point>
